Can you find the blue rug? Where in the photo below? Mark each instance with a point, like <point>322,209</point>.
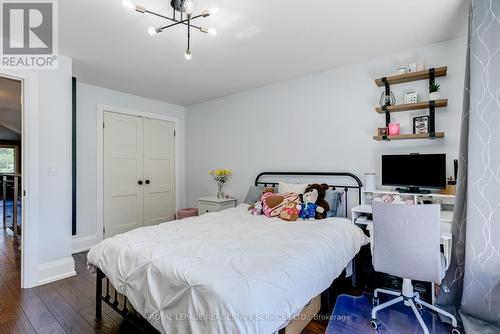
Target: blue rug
<point>353,314</point>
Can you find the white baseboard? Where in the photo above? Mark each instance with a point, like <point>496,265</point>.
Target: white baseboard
<point>83,244</point>
<point>56,270</point>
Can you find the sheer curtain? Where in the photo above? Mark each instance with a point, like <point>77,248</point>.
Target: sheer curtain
<point>472,284</point>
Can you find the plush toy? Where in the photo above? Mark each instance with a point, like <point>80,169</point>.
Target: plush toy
<point>290,211</point>
<point>320,201</point>
<point>309,208</point>
<point>256,209</point>
<point>387,198</point>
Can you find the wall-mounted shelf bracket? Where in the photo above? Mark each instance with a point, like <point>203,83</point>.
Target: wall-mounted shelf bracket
<point>432,119</point>
<point>387,102</point>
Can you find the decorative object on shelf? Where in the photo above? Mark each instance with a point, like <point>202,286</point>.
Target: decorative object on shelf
<point>221,176</point>
<point>180,8</point>
<point>370,181</point>
<point>412,67</point>
<point>421,66</point>
<point>402,69</point>
<point>420,124</point>
<point>382,131</point>
<point>411,97</point>
<point>387,99</point>
<point>434,92</point>
<point>394,129</point>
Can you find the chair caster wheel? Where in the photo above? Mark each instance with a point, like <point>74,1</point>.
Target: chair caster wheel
<point>374,324</point>
<point>456,331</point>
<point>375,301</point>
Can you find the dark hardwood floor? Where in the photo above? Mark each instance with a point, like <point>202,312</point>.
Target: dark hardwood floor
<point>65,306</point>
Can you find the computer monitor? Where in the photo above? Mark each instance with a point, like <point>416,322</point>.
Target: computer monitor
<point>414,171</point>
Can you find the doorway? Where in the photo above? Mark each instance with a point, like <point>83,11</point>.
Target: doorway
<point>139,172</point>
<point>11,176</point>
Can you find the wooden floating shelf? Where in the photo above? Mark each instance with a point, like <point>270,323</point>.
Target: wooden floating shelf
<point>412,106</point>
<point>409,136</point>
<point>415,76</point>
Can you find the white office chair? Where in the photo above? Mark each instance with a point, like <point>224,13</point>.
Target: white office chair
<point>407,244</point>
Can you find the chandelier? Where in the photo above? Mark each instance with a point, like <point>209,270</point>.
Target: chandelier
<point>182,14</point>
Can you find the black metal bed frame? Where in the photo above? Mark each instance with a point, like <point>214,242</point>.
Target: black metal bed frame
<point>125,309</point>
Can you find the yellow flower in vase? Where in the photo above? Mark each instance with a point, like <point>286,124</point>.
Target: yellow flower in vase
<point>220,176</point>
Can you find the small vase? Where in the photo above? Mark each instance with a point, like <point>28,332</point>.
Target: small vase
<point>434,96</point>
<point>220,193</point>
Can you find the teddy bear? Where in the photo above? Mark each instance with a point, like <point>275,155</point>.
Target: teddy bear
<point>256,209</point>
<point>320,200</point>
<point>290,211</point>
<point>309,208</point>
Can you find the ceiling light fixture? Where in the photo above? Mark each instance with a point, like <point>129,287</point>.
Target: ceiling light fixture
<point>182,8</point>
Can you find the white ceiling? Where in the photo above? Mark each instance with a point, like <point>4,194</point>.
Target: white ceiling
<point>258,42</point>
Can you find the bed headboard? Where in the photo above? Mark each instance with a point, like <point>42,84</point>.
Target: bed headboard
<point>335,180</point>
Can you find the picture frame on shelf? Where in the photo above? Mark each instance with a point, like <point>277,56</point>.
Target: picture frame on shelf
<point>420,124</point>
<point>382,131</point>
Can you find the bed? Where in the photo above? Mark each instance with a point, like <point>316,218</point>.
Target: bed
<point>223,272</point>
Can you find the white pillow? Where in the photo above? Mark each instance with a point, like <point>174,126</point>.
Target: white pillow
<point>296,188</point>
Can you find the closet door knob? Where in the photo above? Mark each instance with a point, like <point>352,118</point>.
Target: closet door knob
<point>147,182</point>
<point>139,182</point>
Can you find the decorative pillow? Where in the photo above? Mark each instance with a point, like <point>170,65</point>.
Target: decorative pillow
<point>272,204</point>
<point>254,193</point>
<point>334,199</point>
<point>296,188</point>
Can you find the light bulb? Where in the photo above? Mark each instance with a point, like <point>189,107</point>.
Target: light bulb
<point>189,6</point>
<point>188,55</point>
<point>128,5</point>
<point>212,31</point>
<point>153,31</point>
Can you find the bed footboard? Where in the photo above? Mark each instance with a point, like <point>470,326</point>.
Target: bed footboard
<point>106,293</point>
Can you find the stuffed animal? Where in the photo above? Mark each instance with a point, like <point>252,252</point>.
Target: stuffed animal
<point>309,208</point>
<point>387,198</point>
<point>256,209</point>
<point>320,201</point>
<point>290,211</point>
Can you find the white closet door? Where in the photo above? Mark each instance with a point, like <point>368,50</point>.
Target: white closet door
<point>159,171</point>
<point>123,169</point>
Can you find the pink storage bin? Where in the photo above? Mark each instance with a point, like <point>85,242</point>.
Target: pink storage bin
<point>187,212</point>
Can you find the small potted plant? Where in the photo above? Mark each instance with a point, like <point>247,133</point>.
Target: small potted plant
<point>434,92</point>
<point>220,176</point>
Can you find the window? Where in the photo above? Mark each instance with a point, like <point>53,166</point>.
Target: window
<point>7,159</point>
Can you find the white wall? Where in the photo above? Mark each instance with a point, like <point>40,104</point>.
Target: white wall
<point>54,126</point>
<point>323,122</point>
<point>88,98</point>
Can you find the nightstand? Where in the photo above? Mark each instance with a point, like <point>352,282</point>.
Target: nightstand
<point>214,204</point>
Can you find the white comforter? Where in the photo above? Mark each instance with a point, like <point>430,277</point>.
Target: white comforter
<point>226,272</point>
